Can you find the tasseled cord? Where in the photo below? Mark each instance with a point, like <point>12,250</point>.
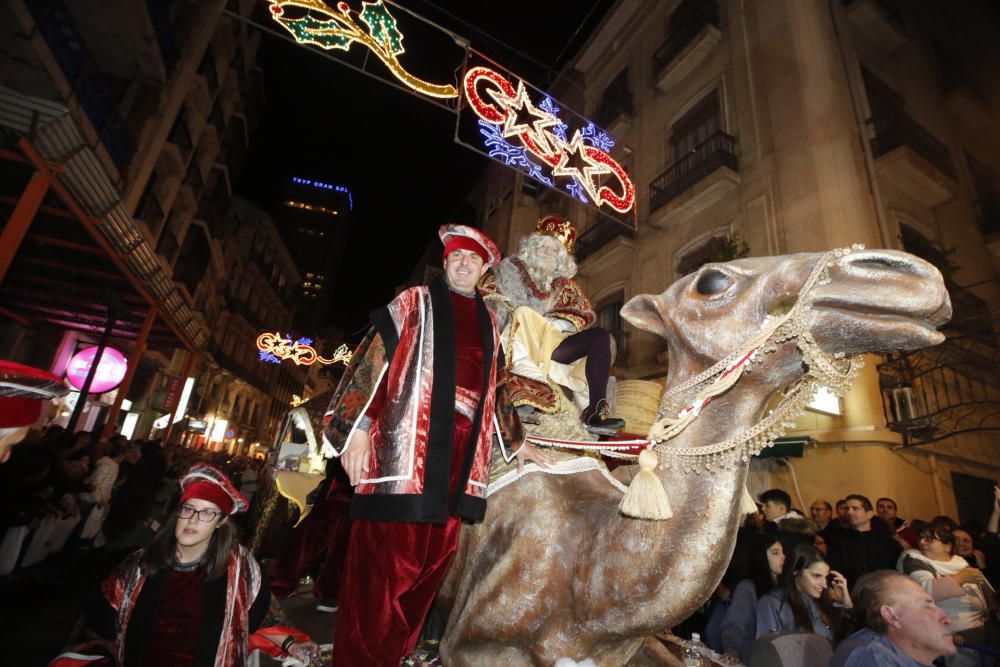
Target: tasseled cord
<point>645,497</point>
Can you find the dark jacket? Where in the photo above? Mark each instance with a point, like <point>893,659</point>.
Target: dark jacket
<point>853,553</point>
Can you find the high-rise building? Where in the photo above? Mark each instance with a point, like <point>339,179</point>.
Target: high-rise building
<point>806,126</point>
<point>313,218</point>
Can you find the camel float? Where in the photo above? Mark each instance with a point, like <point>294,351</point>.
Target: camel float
<point>556,570</point>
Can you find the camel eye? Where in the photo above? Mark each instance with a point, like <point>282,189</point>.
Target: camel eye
<point>713,282</point>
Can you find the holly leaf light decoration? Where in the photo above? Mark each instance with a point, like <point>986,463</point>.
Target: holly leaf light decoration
<point>382,26</point>
<point>374,28</point>
<point>327,34</point>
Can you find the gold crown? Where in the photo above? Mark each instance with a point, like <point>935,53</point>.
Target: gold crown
<point>562,229</point>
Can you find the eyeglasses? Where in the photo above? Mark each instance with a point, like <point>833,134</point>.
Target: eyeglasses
<point>208,515</point>
<point>929,537</point>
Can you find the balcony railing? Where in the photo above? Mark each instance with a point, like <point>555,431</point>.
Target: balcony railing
<point>598,236</point>
<point>893,128</point>
<point>683,29</point>
<point>971,315</point>
<point>942,391</point>
<point>718,151</point>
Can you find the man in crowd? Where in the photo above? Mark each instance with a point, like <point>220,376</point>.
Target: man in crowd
<point>417,415</point>
<point>842,520</point>
<point>821,513</point>
<point>868,545</point>
<point>776,505</point>
<point>903,626</point>
<point>549,330</point>
<point>886,510</point>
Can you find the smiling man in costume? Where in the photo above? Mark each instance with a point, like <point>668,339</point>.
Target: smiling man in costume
<point>418,414</point>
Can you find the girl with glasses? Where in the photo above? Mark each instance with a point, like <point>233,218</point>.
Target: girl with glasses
<point>194,596</point>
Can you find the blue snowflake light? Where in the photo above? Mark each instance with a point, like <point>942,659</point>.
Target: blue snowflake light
<point>577,191</point>
<point>514,156</point>
<point>597,138</point>
<point>269,357</point>
<point>549,106</point>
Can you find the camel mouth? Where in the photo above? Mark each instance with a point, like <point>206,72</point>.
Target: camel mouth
<point>907,327</point>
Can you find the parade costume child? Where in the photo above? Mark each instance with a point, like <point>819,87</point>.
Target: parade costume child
<point>162,609</point>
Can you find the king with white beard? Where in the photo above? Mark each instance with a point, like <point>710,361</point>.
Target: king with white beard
<point>548,328</point>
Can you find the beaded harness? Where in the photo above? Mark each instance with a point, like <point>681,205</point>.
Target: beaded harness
<point>836,372</point>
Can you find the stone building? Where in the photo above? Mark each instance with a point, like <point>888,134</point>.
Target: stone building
<point>122,128</point>
<point>802,126</point>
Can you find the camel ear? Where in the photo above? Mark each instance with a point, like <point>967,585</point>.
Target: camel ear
<point>643,312</point>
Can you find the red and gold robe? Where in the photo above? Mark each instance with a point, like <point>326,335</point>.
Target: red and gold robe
<point>414,346</point>
<point>509,287</point>
<point>123,588</point>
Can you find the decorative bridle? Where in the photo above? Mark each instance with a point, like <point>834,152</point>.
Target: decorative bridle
<point>836,372</point>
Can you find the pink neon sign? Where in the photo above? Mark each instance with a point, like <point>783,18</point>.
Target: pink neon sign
<point>110,372</point>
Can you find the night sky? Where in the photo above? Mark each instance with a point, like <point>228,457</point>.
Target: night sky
<point>395,151</point>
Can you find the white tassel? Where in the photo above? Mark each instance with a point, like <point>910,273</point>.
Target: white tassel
<point>645,497</point>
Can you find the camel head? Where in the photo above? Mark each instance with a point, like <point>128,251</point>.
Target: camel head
<point>874,301</point>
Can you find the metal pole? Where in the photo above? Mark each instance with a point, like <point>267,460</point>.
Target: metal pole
<point>133,364</point>
<point>185,372</point>
<point>105,337</point>
<point>20,219</point>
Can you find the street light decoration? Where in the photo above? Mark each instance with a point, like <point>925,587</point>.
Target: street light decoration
<point>275,348</point>
<point>377,30</point>
<point>533,137</point>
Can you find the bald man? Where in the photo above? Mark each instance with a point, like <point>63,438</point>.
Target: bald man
<point>903,626</point>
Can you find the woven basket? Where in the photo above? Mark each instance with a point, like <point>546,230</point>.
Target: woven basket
<point>636,402</point>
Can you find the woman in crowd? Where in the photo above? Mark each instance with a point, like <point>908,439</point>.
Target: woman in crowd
<point>810,597</point>
<point>965,548</point>
<point>739,626</point>
<point>194,595</point>
<point>960,590</point>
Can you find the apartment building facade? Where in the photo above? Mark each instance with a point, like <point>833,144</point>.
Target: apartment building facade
<point>797,127</point>
<point>128,123</point>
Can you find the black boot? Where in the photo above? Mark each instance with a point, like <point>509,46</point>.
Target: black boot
<point>598,419</point>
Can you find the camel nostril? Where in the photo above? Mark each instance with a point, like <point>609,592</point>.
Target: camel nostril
<point>882,263</point>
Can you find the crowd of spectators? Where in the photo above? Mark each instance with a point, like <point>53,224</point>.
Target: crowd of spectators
<point>64,491</point>
<point>880,589</point>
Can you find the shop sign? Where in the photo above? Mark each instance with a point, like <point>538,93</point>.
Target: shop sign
<point>110,372</point>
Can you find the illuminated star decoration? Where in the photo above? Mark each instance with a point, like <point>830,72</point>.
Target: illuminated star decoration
<point>275,348</point>
<point>584,160</point>
<point>525,120</point>
<point>339,29</point>
<point>560,131</point>
<point>577,163</point>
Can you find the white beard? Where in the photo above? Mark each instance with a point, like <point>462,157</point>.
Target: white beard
<point>542,271</point>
